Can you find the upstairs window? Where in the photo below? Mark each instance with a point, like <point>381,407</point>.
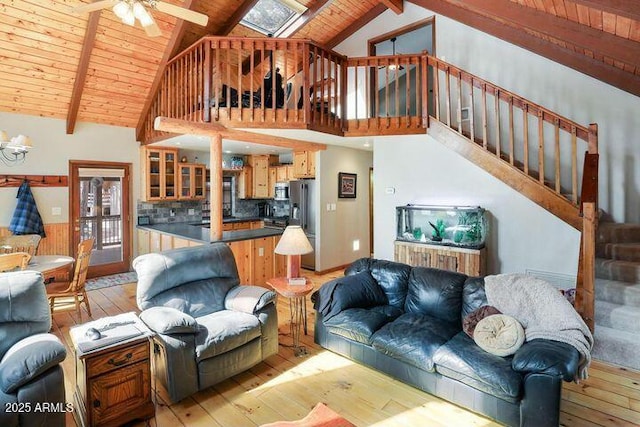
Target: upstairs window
<point>271,17</point>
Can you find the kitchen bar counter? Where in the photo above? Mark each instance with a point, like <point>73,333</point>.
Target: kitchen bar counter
<point>200,234</point>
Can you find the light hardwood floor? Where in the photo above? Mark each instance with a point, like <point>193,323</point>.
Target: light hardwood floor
<point>285,387</point>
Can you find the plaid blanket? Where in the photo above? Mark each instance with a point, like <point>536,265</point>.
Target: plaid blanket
<point>26,218</point>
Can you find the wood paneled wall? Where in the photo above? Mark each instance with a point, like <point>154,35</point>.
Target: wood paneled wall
<point>56,242</point>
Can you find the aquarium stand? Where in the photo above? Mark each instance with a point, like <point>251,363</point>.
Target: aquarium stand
<point>471,262</point>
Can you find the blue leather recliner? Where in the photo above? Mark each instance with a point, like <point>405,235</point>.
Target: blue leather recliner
<point>31,378</point>
<point>208,328</point>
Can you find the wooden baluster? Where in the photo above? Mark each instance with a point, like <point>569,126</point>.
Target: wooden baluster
<point>574,164</point>
<point>355,98</point>
<point>525,137</point>
<point>472,130</point>
<point>239,87</point>
<point>436,87</point>
<point>285,73</point>
<point>262,94</point>
<point>397,91</point>
<point>556,123</point>
<point>511,141</point>
<point>321,82</point>
<point>296,92</point>
<point>484,117</point>
<point>228,78</point>
<point>314,84</point>
<point>252,77</point>
<point>459,109</point>
<point>218,84</point>
<point>274,97</point>
<point>407,96</point>
<point>343,95</point>
<point>496,93</point>
<point>306,62</point>
<point>541,146</point>
<point>423,91</point>
<point>448,91</point>
<point>376,92</point>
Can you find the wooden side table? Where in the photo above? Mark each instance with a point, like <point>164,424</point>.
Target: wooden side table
<point>297,307</point>
<point>113,382</point>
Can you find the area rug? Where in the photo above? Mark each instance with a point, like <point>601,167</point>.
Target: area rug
<point>112,280</point>
<point>320,416</point>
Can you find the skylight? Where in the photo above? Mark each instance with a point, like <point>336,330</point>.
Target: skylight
<point>272,16</point>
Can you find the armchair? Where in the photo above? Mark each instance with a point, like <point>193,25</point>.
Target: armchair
<point>31,379</point>
<point>208,328</point>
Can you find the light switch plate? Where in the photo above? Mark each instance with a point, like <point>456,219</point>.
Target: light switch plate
<point>56,211</point>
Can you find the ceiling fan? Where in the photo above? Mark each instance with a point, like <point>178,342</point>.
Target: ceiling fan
<point>131,10</point>
<point>393,67</point>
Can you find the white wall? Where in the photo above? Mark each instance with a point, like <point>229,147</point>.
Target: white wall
<point>421,170</point>
<point>53,149</point>
<point>561,89</point>
<point>350,221</point>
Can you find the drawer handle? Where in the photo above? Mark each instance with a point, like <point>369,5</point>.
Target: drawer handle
<point>120,362</point>
<point>96,403</point>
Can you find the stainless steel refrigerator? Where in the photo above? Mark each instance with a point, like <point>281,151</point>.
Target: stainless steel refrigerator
<point>302,212</point>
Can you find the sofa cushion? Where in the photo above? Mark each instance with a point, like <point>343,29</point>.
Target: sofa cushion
<point>473,295</point>
<point>359,324</point>
<point>462,360</point>
<point>437,293</point>
<point>393,277</point>
<point>223,331</point>
<point>413,338</point>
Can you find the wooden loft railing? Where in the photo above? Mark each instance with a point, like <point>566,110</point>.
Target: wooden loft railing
<point>227,80</point>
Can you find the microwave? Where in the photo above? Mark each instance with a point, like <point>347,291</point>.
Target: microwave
<point>281,191</point>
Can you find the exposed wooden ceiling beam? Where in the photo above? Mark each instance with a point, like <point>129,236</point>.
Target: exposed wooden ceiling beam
<point>627,8</point>
<point>520,17</point>
<point>396,5</point>
<point>176,36</point>
<point>578,61</point>
<point>356,25</point>
<point>237,16</point>
<point>81,71</point>
<point>185,127</point>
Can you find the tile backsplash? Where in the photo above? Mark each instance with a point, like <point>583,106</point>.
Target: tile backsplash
<point>165,212</point>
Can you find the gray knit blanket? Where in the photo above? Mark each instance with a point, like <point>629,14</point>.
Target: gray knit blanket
<point>542,311</point>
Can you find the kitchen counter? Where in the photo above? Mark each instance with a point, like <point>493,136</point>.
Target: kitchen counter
<point>200,234</point>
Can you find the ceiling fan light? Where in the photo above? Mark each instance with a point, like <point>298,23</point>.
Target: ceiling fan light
<point>120,9</point>
<point>3,136</point>
<point>129,18</point>
<point>143,16</point>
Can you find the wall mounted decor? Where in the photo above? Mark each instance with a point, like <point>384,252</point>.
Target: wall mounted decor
<point>347,185</point>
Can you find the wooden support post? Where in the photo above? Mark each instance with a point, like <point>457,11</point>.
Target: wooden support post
<point>589,224</point>
<point>215,186</point>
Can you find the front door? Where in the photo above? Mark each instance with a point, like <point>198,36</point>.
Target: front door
<point>100,209</point>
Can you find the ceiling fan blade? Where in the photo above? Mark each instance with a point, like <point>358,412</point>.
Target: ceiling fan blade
<point>152,30</point>
<point>182,13</point>
<point>92,7</point>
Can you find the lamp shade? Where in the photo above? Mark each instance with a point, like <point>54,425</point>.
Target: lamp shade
<point>293,242</point>
<point>3,136</point>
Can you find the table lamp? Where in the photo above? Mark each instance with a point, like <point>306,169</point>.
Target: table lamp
<point>293,243</point>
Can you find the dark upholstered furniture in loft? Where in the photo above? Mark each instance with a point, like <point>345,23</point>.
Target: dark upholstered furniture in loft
<point>208,328</point>
<point>407,322</point>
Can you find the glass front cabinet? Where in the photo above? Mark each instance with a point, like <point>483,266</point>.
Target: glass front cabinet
<point>192,181</point>
<point>160,173</point>
<point>445,237</point>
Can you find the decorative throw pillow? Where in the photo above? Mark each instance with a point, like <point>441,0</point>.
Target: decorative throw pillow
<point>471,320</point>
<point>499,334</point>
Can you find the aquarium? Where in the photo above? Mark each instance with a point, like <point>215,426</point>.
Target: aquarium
<point>461,226</point>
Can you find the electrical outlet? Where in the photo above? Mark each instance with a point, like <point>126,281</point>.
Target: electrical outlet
<point>356,245</point>
<point>328,207</point>
<point>389,190</point>
<point>56,211</point>
<point>260,251</point>
<point>333,206</point>
<point>172,212</point>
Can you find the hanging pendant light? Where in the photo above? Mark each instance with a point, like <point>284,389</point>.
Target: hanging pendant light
<point>395,67</point>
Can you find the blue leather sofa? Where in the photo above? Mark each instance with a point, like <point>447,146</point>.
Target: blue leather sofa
<point>208,328</point>
<point>31,379</point>
<point>407,322</point>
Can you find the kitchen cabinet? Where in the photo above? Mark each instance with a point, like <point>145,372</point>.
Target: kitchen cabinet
<point>471,262</point>
<point>304,164</point>
<point>284,173</point>
<point>273,174</point>
<point>191,181</point>
<point>261,166</point>
<point>245,183</point>
<point>159,173</point>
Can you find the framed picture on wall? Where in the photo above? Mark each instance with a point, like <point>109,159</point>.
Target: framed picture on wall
<point>347,185</point>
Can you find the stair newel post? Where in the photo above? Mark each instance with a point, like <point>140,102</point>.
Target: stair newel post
<point>425,89</point>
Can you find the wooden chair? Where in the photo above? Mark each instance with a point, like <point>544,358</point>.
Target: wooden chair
<point>13,261</point>
<point>65,296</point>
<point>23,243</point>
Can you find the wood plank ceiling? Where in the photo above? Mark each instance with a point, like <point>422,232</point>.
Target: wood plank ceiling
<point>42,59</point>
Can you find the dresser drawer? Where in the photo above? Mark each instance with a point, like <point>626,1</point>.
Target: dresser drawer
<point>117,358</point>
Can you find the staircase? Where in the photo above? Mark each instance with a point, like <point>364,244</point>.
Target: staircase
<point>617,292</point>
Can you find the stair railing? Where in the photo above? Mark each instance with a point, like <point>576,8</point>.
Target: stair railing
<point>542,144</point>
